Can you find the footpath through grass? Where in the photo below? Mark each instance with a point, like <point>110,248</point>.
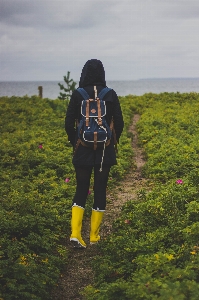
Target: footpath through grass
<point>37,186</point>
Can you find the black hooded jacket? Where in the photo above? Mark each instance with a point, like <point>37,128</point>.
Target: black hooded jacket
<point>93,74</point>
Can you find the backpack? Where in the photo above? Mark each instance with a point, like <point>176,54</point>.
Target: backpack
<point>93,130</point>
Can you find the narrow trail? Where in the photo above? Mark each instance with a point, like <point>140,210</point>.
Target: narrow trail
<point>78,273</point>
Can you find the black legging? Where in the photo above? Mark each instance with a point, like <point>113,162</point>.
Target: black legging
<point>83,175</point>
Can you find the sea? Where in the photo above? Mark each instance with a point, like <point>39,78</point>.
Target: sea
<point>139,87</point>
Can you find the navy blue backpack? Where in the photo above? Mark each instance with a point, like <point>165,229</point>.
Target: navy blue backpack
<point>93,130</point>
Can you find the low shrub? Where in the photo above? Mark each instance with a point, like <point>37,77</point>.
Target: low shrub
<point>153,251</point>
<point>37,187</point>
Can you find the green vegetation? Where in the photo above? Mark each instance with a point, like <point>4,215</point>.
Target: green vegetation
<point>153,252</point>
<point>37,187</point>
<point>70,87</point>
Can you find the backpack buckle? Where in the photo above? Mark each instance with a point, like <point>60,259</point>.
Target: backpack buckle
<point>100,121</point>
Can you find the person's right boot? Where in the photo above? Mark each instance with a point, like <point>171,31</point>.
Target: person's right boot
<point>76,227</point>
<point>96,219</point>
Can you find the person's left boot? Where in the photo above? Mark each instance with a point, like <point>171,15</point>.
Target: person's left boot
<point>96,219</point>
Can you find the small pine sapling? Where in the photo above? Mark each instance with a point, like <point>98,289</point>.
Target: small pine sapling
<point>69,89</point>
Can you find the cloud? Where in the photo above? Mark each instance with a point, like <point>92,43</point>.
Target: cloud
<point>181,9</point>
<point>54,14</point>
<point>134,39</point>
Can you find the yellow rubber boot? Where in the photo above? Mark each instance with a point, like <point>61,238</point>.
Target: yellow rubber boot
<point>96,219</point>
<point>76,227</point>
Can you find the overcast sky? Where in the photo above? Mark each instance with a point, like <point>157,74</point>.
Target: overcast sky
<point>134,39</point>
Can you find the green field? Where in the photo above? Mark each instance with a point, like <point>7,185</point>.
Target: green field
<point>155,255</point>
<point>35,198</point>
<point>152,256</point>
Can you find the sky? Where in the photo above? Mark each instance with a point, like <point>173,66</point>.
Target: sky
<point>134,39</point>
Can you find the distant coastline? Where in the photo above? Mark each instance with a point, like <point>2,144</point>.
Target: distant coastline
<point>122,87</point>
<point>109,80</point>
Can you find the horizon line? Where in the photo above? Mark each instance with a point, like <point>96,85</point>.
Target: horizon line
<point>149,78</point>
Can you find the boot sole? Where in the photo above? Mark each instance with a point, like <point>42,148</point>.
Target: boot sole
<point>76,243</point>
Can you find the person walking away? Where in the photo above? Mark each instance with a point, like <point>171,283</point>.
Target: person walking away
<point>91,156</point>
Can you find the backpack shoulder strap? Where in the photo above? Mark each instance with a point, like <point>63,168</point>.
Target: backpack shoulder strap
<point>103,92</point>
<point>84,94</point>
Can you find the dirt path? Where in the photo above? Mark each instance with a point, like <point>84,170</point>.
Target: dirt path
<point>78,272</point>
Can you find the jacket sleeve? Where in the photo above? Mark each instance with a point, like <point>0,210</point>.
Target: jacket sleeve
<point>70,119</point>
<point>117,117</point>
